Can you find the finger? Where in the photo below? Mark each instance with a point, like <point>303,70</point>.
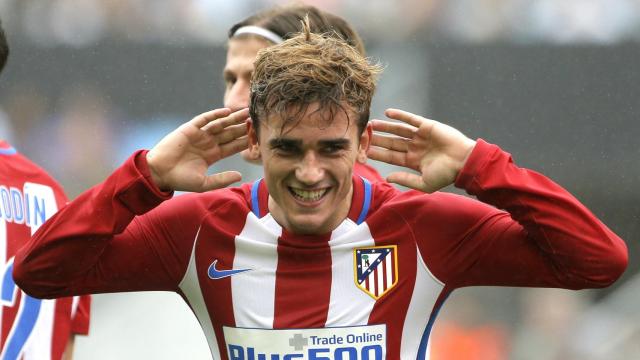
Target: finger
<point>405,116</point>
<point>395,128</point>
<point>238,117</point>
<point>231,133</point>
<point>234,146</point>
<point>412,181</point>
<point>220,180</point>
<point>204,118</point>
<point>390,142</point>
<point>388,156</point>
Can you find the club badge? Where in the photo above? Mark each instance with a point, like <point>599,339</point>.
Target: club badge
<point>376,269</point>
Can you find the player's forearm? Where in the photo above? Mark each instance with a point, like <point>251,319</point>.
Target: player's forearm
<point>584,251</point>
<point>68,246</point>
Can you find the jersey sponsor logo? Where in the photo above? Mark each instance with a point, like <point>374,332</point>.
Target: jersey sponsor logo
<point>376,269</point>
<point>216,274</point>
<point>339,343</point>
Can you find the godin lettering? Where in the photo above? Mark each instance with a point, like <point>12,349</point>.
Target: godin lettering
<point>22,208</point>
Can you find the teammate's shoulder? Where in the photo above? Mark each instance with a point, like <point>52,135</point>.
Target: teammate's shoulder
<point>20,167</point>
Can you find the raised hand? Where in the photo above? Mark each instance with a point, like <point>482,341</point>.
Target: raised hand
<point>437,151</point>
<point>181,159</point>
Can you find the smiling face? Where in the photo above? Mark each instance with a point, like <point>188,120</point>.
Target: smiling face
<point>308,165</point>
<point>237,72</point>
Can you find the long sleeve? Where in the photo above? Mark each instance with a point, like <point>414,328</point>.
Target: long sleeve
<point>534,233</point>
<point>98,243</point>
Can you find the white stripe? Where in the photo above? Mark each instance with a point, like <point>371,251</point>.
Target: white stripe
<point>424,296</point>
<point>260,31</point>
<point>349,305</point>
<point>38,346</point>
<point>371,280</point>
<point>390,265</point>
<point>381,276</point>
<point>74,306</point>
<point>190,286</point>
<point>3,253</point>
<point>253,292</point>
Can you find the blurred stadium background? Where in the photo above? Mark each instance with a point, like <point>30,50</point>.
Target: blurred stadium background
<point>556,83</point>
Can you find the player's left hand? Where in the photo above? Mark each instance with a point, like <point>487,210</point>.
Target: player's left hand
<point>437,151</point>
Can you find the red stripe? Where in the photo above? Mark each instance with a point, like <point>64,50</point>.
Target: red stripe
<point>393,267</point>
<point>384,272</point>
<point>61,329</point>
<point>375,280</point>
<point>302,299</point>
<point>218,292</point>
<point>391,308</point>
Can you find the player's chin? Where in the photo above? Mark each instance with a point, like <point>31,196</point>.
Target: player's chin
<point>306,224</point>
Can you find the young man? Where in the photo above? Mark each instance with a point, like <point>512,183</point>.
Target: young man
<point>31,328</point>
<point>312,262</point>
<point>268,28</point>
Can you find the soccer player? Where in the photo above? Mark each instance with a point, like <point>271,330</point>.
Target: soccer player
<point>311,261</point>
<point>31,328</point>
<point>271,27</point>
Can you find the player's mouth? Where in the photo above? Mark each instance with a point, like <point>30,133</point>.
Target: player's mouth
<point>308,197</point>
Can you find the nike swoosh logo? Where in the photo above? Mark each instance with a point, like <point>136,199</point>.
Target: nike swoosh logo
<point>216,274</point>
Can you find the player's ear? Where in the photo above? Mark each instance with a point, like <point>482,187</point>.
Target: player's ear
<point>365,143</point>
<point>253,151</point>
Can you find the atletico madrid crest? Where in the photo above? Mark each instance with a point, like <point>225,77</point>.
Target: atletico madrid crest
<point>376,269</point>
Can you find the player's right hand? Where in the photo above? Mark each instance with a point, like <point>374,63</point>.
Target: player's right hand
<point>180,160</point>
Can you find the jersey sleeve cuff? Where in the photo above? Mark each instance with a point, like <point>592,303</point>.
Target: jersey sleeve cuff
<point>478,160</point>
<point>142,194</point>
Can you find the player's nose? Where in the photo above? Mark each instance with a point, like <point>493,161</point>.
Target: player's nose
<point>237,96</point>
<point>310,171</point>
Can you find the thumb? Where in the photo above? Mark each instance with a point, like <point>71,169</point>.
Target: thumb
<point>412,181</point>
<point>220,180</point>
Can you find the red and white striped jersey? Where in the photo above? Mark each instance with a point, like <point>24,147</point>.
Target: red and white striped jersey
<point>31,328</point>
<point>370,289</point>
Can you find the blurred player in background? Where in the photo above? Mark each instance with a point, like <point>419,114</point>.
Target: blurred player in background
<point>271,27</point>
<point>31,328</point>
<point>311,261</point>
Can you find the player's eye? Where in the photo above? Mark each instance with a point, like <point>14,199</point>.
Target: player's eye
<point>284,148</point>
<point>333,149</point>
<point>229,79</point>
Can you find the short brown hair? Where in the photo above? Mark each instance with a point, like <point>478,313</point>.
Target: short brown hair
<point>285,22</point>
<point>4,48</point>
<point>312,68</point>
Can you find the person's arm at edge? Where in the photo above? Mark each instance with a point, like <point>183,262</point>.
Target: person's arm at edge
<point>554,240</point>
<point>85,228</point>
<point>128,192</point>
<point>577,248</point>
